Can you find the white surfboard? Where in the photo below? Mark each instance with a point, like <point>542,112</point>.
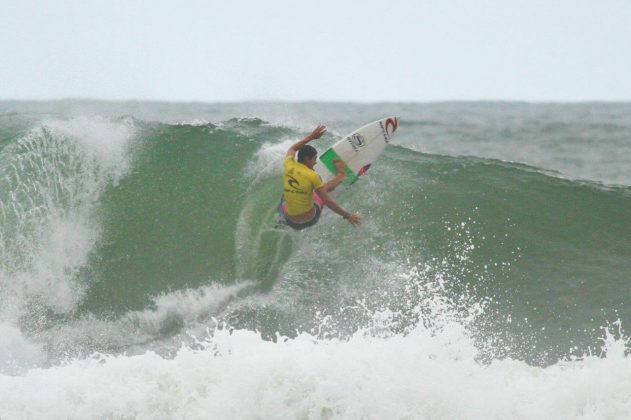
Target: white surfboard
<point>358,150</point>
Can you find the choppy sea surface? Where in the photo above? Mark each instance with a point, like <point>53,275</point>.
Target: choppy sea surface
<point>142,276</point>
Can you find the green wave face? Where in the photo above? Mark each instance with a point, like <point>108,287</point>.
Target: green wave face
<point>101,215</point>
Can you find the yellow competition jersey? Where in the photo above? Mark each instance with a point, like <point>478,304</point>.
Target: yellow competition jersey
<point>298,184</point>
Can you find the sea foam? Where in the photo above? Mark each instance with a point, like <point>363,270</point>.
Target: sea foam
<point>237,374</point>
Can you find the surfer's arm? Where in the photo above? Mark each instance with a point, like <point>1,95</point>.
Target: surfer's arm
<point>331,184</point>
<point>353,218</point>
<point>315,134</point>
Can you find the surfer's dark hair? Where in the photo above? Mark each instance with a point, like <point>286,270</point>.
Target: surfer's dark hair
<point>306,152</point>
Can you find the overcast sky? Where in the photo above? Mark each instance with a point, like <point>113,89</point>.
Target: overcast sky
<point>396,50</point>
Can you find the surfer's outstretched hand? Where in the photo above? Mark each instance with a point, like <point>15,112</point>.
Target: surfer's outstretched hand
<point>317,132</point>
<point>355,219</point>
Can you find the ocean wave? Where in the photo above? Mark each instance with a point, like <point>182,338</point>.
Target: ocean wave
<point>487,277</point>
<point>52,180</point>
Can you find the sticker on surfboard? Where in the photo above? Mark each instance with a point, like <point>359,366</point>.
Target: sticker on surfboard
<point>358,150</point>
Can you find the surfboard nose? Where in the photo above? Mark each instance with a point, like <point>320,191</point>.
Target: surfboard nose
<point>392,124</point>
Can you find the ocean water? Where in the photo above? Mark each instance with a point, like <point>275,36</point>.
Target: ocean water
<point>142,276</point>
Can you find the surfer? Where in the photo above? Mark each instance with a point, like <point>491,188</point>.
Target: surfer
<point>300,182</point>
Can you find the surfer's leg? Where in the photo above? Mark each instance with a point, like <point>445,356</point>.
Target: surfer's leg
<point>282,211</point>
<point>317,201</point>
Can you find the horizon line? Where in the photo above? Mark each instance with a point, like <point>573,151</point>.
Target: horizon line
<point>306,101</point>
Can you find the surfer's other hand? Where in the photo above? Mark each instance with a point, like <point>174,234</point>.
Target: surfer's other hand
<point>354,219</point>
<point>341,170</point>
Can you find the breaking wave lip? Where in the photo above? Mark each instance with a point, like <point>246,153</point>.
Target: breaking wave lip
<point>52,180</point>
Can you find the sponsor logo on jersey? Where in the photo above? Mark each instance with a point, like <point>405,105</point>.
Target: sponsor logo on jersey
<point>293,182</point>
